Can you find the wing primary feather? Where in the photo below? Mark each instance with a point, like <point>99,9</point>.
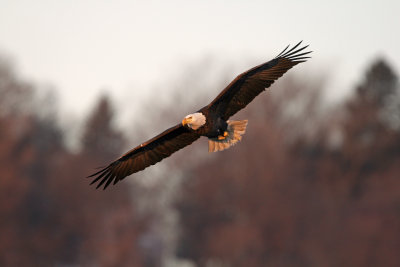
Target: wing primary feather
<point>291,49</point>
<point>298,55</point>
<point>289,53</point>
<point>299,58</point>
<point>283,51</point>
<point>109,180</point>
<point>104,179</point>
<point>96,173</point>
<point>105,171</point>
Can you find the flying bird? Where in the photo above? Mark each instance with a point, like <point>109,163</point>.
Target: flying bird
<point>210,121</point>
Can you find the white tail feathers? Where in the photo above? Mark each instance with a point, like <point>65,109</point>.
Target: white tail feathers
<point>235,131</point>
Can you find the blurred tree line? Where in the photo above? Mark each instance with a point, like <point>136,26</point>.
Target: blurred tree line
<point>49,216</point>
<point>306,186</point>
<point>302,190</point>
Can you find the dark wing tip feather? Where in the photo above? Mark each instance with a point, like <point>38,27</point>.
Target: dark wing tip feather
<point>109,181</point>
<point>96,173</point>
<point>294,54</point>
<point>298,55</point>
<point>283,51</point>
<point>293,48</point>
<point>105,174</point>
<point>99,177</point>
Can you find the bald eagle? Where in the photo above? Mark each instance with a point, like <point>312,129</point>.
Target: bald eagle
<point>210,121</point>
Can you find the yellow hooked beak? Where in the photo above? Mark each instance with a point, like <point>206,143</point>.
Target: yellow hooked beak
<point>186,121</point>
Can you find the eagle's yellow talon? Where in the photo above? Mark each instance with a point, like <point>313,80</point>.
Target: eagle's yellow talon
<point>222,137</point>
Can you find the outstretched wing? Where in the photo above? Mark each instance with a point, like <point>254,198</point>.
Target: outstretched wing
<point>146,154</point>
<point>242,90</point>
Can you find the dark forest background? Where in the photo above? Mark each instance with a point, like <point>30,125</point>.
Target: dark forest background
<point>309,185</point>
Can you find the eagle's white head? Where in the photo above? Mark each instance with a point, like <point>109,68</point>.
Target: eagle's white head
<point>194,121</point>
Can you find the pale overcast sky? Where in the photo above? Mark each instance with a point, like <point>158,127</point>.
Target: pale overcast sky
<point>128,47</point>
